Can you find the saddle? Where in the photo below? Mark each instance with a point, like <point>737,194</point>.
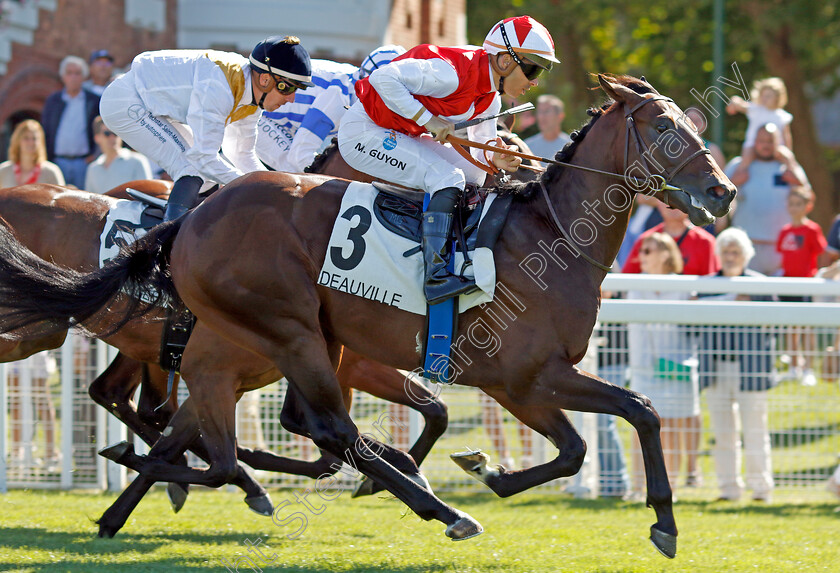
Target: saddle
<point>400,210</point>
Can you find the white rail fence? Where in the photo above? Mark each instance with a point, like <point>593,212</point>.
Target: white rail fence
<point>804,421</point>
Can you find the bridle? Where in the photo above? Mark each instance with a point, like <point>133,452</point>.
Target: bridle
<point>662,181</point>
<point>653,182</point>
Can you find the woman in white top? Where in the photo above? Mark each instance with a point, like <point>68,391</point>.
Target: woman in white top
<point>662,364</point>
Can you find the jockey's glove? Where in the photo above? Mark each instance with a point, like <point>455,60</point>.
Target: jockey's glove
<point>440,127</point>
<point>509,163</point>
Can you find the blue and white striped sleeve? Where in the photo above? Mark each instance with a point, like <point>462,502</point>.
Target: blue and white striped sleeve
<point>318,124</point>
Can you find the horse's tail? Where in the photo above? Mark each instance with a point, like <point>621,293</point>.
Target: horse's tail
<point>39,298</point>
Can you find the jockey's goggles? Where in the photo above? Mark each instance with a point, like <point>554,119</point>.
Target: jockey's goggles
<point>286,86</point>
<point>533,69</point>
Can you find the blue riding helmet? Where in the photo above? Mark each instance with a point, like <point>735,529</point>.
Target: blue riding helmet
<point>284,58</point>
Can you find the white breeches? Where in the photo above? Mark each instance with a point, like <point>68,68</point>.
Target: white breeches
<point>124,113</point>
<point>416,162</point>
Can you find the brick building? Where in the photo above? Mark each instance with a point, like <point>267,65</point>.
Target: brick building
<point>36,34</point>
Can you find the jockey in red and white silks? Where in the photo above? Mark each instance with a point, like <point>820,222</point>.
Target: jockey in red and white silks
<point>429,89</point>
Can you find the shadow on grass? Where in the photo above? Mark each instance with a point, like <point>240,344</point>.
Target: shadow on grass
<point>88,544</point>
<point>190,565</point>
<point>794,437</point>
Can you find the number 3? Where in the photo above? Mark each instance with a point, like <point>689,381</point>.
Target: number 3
<point>355,236</point>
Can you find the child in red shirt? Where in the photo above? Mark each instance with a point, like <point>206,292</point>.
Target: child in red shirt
<point>800,243</point>
<point>802,240</point>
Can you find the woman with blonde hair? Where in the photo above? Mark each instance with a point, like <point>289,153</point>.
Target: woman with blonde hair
<point>28,158</point>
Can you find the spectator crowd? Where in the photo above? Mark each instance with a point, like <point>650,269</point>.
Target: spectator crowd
<point>768,233</point>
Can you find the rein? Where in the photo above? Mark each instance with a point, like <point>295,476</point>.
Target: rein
<point>654,183</point>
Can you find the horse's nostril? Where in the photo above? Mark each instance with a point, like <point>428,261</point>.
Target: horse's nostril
<point>717,190</point>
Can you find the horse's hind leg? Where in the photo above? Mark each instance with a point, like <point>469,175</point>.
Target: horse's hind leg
<point>184,426</point>
<point>568,388</point>
<point>388,384</point>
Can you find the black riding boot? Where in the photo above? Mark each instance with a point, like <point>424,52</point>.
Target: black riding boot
<point>183,197</point>
<point>440,284</point>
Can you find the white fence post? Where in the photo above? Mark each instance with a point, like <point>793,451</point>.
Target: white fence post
<point>67,413</point>
<point>585,483</point>
<point>116,431</point>
<point>102,469</point>
<point>4,408</point>
<point>27,414</point>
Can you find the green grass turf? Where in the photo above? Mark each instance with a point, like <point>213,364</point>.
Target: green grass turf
<point>53,532</point>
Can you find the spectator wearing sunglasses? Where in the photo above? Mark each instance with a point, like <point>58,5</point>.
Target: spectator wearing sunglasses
<point>407,108</point>
<point>116,165</point>
<point>218,95</point>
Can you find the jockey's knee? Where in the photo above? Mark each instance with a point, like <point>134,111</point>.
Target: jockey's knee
<point>452,177</point>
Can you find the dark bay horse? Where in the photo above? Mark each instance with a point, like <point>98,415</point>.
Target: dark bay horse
<point>64,226</point>
<point>261,293</point>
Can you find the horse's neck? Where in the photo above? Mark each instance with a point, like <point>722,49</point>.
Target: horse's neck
<point>580,201</point>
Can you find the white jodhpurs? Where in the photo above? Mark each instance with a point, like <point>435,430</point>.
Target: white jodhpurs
<point>416,162</point>
<point>124,113</point>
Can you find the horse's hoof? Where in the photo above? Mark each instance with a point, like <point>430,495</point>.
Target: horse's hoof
<point>464,528</point>
<point>107,530</point>
<point>665,543</point>
<point>364,487</point>
<point>260,504</point>
<point>475,464</point>
<point>117,451</point>
<point>177,496</point>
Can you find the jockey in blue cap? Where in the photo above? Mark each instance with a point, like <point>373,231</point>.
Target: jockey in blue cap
<point>289,139</point>
<point>217,95</point>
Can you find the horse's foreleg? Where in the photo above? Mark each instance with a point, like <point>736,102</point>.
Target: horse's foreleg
<point>155,407</point>
<point>569,388</point>
<point>114,391</point>
<point>388,384</point>
<point>320,413</point>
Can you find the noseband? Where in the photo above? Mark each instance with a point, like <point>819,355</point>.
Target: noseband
<point>664,178</point>
<point>655,182</point>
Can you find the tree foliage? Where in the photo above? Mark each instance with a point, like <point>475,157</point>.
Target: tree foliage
<point>671,43</point>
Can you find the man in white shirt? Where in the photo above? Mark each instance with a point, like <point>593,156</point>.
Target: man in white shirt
<point>217,96</point>
<point>116,165</point>
<point>550,115</point>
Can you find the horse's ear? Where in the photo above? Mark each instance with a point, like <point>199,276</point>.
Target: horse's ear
<point>616,91</point>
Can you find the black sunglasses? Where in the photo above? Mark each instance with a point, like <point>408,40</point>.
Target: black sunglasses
<point>285,86</point>
<point>530,69</point>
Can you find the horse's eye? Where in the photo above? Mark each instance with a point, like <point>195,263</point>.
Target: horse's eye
<point>662,128</point>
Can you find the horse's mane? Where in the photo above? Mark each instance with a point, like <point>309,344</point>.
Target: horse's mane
<point>322,157</point>
<point>527,191</point>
